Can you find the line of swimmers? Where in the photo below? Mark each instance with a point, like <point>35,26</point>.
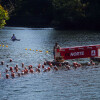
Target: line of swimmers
<point>23,70</point>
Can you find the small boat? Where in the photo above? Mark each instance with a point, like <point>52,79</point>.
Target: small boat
<point>15,39</point>
<point>89,51</point>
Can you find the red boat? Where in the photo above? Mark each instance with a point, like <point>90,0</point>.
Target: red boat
<point>79,52</point>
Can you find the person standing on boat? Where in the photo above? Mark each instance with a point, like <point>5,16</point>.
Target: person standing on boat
<point>13,37</point>
<point>55,53</point>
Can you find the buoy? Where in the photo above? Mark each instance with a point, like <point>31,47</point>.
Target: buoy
<point>36,50</point>
<point>6,45</point>
<point>2,45</point>
<point>2,62</point>
<point>7,76</point>
<point>10,60</point>
<point>33,50</point>
<point>46,51</point>
<point>30,49</point>
<point>25,48</point>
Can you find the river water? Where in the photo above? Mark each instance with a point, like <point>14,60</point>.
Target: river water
<point>75,84</point>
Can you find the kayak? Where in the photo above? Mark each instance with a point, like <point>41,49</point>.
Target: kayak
<point>15,39</point>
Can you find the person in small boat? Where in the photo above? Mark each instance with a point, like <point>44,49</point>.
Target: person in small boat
<point>55,53</point>
<point>13,37</point>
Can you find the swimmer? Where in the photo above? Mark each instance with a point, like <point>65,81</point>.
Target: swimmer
<point>19,74</point>
<point>45,63</point>
<point>67,66</point>
<point>22,72</point>
<point>11,69</point>
<point>49,69</point>
<point>55,67</point>
<point>7,76</point>
<point>31,70</point>
<point>37,70</point>
<point>45,70</point>
<point>42,66</point>
<point>22,65</point>
<point>6,70</point>
<point>13,74</point>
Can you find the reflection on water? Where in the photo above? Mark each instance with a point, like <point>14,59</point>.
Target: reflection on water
<point>79,84</point>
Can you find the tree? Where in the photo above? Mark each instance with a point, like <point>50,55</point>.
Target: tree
<point>68,11</point>
<point>3,16</point>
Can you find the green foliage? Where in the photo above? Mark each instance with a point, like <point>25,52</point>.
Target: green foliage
<point>65,13</point>
<point>3,16</point>
<point>68,10</point>
<point>32,7</point>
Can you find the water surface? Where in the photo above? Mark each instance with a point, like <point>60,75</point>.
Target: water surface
<point>80,84</point>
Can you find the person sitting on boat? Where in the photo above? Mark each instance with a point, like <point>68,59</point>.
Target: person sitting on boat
<point>13,37</point>
<point>55,53</point>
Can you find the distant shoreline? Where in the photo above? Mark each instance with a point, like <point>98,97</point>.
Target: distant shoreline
<point>56,28</point>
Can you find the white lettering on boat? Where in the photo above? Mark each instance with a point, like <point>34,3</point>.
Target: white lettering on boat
<point>77,53</point>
